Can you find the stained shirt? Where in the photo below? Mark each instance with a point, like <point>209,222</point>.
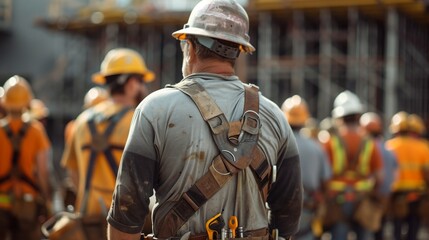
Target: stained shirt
<point>170,146</point>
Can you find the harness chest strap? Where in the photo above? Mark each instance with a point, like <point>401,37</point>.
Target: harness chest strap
<point>233,157</point>
<point>100,145</point>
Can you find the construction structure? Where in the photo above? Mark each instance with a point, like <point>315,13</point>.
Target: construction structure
<point>378,49</point>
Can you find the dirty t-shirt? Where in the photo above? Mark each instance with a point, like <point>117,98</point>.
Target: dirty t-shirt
<point>170,147</point>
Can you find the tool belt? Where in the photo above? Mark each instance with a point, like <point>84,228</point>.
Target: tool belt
<point>260,234</point>
<point>369,213</point>
<point>400,201</point>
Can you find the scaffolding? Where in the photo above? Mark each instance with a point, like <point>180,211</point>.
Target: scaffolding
<point>375,48</point>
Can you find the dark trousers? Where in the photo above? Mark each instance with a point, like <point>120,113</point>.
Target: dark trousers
<point>412,220</point>
<point>15,229</point>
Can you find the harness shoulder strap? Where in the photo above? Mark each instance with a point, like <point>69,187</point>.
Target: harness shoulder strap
<point>236,153</point>
<point>16,140</point>
<point>100,144</point>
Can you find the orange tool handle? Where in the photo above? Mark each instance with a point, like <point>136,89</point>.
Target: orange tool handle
<point>233,224</point>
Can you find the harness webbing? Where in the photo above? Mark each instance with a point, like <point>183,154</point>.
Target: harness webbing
<point>16,140</point>
<point>100,145</point>
<point>236,153</point>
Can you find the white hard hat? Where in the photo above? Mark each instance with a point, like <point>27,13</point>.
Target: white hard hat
<point>346,103</point>
<point>220,19</point>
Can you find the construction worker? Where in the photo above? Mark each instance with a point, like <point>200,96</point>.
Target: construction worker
<point>211,172</point>
<point>356,165</point>
<point>412,178</point>
<point>39,111</point>
<point>24,153</point>
<point>94,96</point>
<point>416,126</point>
<point>315,168</point>
<point>92,156</point>
<point>373,126</point>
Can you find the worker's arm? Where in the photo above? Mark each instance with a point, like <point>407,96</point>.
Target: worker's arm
<point>285,195</point>
<point>43,172</point>
<point>115,234</point>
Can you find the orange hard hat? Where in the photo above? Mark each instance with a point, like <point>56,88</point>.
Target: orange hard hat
<point>399,122</point>
<point>17,93</point>
<point>372,123</point>
<point>296,110</point>
<point>416,124</point>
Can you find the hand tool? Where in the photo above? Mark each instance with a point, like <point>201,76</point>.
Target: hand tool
<point>214,226</point>
<point>233,224</point>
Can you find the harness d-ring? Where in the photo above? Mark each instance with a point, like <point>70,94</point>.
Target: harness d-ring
<point>220,173</point>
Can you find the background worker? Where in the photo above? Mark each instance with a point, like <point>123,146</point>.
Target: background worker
<point>315,168</point>
<point>93,153</point>
<point>94,96</point>
<point>2,110</point>
<point>171,146</point>
<point>373,126</point>
<point>356,165</point>
<point>24,153</point>
<point>412,178</point>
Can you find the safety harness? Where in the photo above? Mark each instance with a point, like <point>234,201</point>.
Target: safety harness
<point>237,143</point>
<point>356,178</point>
<point>16,140</point>
<point>99,144</point>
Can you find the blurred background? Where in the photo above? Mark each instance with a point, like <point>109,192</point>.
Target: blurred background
<point>378,49</point>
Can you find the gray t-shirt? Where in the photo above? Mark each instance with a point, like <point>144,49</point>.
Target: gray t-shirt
<point>170,147</point>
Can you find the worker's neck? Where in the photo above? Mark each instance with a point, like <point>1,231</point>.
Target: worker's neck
<point>213,66</point>
<point>124,100</point>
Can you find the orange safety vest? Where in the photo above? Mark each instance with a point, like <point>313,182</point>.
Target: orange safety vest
<point>357,178</point>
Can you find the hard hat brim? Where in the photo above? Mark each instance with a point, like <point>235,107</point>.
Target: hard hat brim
<point>181,35</point>
<point>99,78</point>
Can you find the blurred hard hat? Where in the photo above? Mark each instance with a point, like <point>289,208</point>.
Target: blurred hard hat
<point>371,122</point>
<point>416,124</point>
<point>399,122</point>
<point>346,103</point>
<point>122,61</point>
<point>221,19</point>
<point>17,93</point>
<point>295,110</point>
<point>38,109</point>
<point>1,92</point>
<point>95,96</point>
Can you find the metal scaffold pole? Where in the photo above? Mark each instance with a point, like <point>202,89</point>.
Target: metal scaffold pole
<point>325,64</point>
<point>391,67</point>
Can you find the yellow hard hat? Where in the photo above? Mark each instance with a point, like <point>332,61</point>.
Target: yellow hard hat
<point>38,109</point>
<point>416,124</point>
<point>122,61</point>
<point>372,123</point>
<point>399,122</point>
<point>95,96</point>
<point>17,93</point>
<point>296,110</point>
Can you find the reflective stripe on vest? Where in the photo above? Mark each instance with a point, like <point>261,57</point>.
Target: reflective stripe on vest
<point>356,179</point>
